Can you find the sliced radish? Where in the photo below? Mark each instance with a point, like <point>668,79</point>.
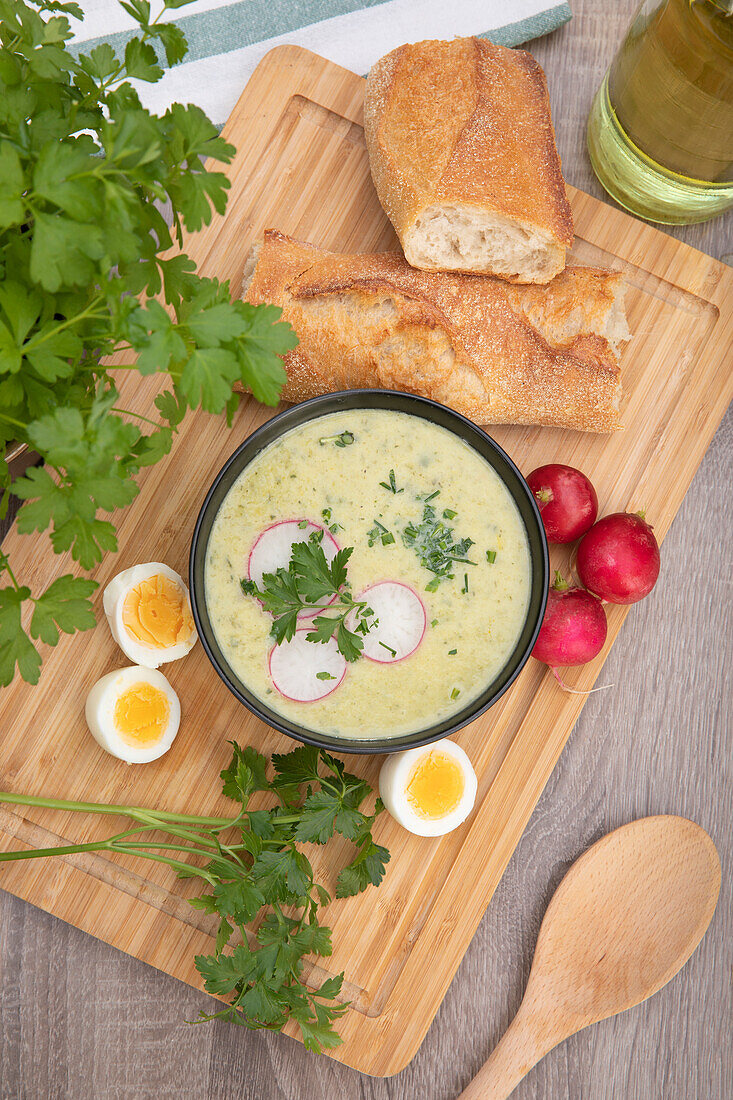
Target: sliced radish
<point>295,665</point>
<point>272,549</point>
<point>401,621</point>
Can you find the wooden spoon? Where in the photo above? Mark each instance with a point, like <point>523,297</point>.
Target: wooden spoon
<point>626,917</point>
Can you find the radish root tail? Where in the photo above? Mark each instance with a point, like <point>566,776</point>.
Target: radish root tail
<point>573,691</point>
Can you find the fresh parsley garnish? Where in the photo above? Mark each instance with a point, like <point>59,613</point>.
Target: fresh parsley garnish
<point>343,439</point>
<point>391,486</point>
<point>253,862</point>
<point>311,582</point>
<point>452,652</point>
<point>324,676</point>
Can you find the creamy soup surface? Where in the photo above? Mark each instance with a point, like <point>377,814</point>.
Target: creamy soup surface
<point>473,619</point>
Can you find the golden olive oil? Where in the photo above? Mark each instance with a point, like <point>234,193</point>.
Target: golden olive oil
<point>660,132</point>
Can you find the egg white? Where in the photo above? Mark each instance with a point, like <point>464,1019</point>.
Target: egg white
<point>393,779</point>
<point>114,604</point>
<point>100,708</point>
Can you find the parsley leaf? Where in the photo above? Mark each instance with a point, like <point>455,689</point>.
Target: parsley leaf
<point>64,606</point>
<point>15,646</point>
<point>368,867</point>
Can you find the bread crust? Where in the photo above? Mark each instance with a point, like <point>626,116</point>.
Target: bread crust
<point>467,341</point>
<point>466,122</point>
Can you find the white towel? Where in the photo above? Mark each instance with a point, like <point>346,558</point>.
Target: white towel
<point>227,40</point>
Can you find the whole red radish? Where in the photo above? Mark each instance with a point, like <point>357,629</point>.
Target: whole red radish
<point>566,499</point>
<point>618,559</point>
<point>574,627</point>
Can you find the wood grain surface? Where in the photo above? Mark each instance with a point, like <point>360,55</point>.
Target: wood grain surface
<point>79,1019</point>
<point>624,920</point>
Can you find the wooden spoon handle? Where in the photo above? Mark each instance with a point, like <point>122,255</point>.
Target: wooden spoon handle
<point>520,1048</point>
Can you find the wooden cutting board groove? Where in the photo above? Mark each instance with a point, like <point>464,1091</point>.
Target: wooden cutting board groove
<point>302,168</point>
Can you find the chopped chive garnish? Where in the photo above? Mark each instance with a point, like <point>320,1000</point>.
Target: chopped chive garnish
<point>455,693</point>
<point>434,543</point>
<point>434,622</point>
<point>316,536</point>
<point>452,652</point>
<point>389,649</point>
<point>343,439</point>
<point>324,676</point>
<point>491,556</point>
<point>465,583</point>
<point>391,486</point>
<point>303,524</point>
<point>379,531</point>
<point>326,514</point>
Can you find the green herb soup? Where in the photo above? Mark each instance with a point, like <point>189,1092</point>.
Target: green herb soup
<point>419,507</point>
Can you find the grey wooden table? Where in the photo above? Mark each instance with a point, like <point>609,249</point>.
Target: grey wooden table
<point>80,1020</point>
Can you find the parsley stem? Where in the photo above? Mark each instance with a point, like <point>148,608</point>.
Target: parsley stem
<point>139,416</point>
<point>135,844</point>
<point>13,421</point>
<point>41,338</point>
<point>158,818</point>
<point>188,869</point>
<point>115,844</point>
<point>5,564</point>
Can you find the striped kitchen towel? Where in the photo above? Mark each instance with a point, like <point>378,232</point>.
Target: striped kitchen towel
<point>226,40</point>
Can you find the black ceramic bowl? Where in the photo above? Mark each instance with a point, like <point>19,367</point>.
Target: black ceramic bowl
<point>480,442</point>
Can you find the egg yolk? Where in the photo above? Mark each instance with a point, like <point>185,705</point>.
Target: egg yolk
<point>435,785</point>
<point>141,714</point>
<point>156,612</point>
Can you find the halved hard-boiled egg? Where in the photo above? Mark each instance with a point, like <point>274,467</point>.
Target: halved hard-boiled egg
<point>430,790</point>
<point>134,714</point>
<point>149,614</point>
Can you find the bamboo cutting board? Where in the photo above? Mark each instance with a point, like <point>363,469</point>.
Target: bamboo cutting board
<point>302,168</point>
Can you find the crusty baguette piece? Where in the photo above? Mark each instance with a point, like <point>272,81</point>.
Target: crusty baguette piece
<point>463,157</point>
<point>498,353</point>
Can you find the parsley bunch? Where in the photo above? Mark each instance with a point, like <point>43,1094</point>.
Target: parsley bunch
<point>310,582</point>
<point>253,861</point>
<point>84,168</point>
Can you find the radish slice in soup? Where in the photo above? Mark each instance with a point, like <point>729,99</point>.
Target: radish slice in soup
<point>401,625</point>
<point>272,549</point>
<point>304,671</point>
